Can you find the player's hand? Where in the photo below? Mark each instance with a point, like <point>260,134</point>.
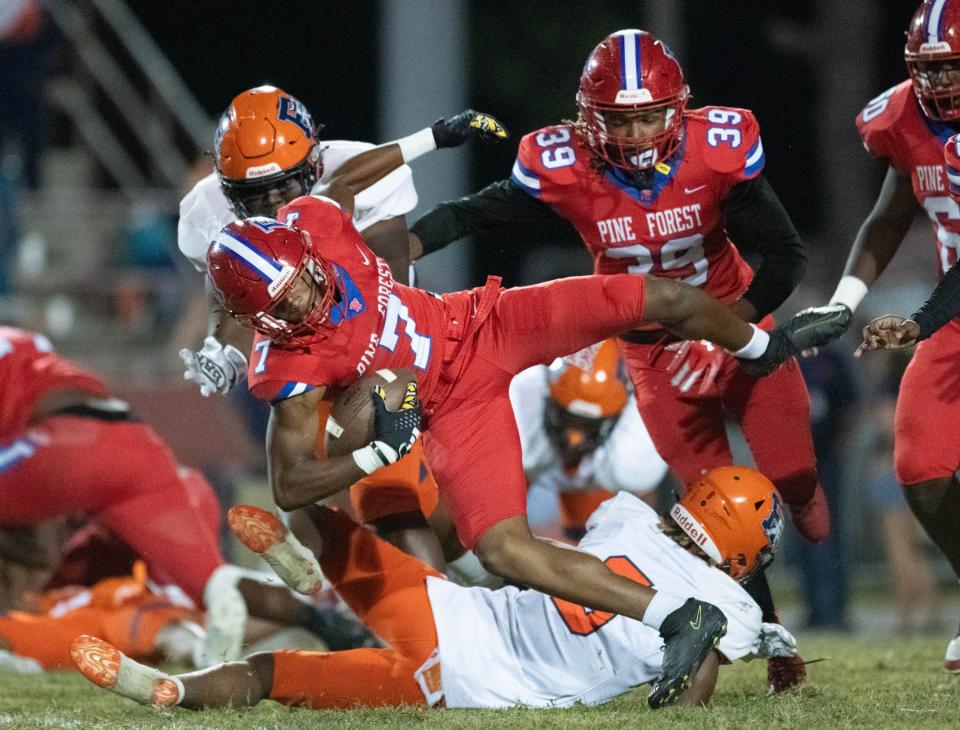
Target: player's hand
<point>467,125</point>
<point>694,362</point>
<point>807,329</point>
<point>775,640</point>
<point>215,368</point>
<point>889,332</point>
<point>395,431</point>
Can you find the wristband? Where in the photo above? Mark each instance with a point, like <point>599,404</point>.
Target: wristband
<point>416,144</point>
<point>373,456</point>
<point>850,292</point>
<point>756,346</point>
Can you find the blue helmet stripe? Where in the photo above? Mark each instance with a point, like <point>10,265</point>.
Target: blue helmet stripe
<point>263,265</point>
<point>630,60</point>
<point>935,21</point>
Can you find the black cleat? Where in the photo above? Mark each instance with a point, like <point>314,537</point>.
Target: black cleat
<point>689,635</point>
<point>807,329</point>
<point>340,630</point>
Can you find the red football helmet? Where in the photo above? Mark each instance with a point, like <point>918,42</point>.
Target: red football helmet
<point>631,71</point>
<point>587,393</point>
<point>266,151</point>
<point>734,514</point>
<point>932,39</point>
<point>951,156</point>
<point>253,265</point>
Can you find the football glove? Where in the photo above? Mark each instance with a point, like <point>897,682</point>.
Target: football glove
<point>467,125</point>
<point>694,361</point>
<point>395,432</point>
<point>775,640</point>
<point>215,368</point>
<point>807,329</point>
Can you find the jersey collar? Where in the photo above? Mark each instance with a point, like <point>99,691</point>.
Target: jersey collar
<point>663,173</point>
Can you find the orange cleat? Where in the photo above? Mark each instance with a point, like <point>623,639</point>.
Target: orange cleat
<point>106,666</point>
<point>96,659</point>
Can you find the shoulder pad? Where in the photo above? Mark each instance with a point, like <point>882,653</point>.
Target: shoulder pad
<point>547,155</point>
<point>319,216</point>
<point>729,138</point>
<point>881,117</point>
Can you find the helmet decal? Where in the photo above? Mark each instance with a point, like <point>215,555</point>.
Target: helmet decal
<point>293,110</point>
<point>773,525</point>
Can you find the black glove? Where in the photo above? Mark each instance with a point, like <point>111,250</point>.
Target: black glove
<point>468,125</point>
<point>398,429</point>
<point>813,327</point>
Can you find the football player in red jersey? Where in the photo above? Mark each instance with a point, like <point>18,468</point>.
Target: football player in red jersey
<point>655,188</point>
<point>907,127</point>
<point>324,319</point>
<point>67,447</point>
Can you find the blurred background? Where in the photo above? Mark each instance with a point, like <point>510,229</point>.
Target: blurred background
<point>107,114</point>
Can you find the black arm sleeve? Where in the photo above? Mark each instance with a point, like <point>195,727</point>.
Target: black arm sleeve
<point>500,204</point>
<point>942,305</point>
<point>756,220</point>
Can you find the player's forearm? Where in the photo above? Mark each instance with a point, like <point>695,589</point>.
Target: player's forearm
<point>874,247</point>
<point>691,314</point>
<point>942,306</point>
<point>310,480</point>
<point>363,170</point>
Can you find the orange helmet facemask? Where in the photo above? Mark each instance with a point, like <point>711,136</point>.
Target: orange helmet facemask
<point>734,515</point>
<point>266,151</point>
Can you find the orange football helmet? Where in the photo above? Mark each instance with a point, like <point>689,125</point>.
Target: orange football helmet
<point>734,514</point>
<point>266,151</point>
<point>587,393</point>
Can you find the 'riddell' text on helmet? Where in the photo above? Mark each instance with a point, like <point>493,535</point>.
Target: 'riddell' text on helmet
<point>932,54</point>
<point>266,151</point>
<point>631,71</point>
<point>255,263</point>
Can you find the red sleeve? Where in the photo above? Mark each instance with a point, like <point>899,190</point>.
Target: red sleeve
<point>546,158</point>
<point>731,141</point>
<point>877,124</point>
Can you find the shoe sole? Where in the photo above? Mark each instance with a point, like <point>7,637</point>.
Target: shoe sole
<point>97,660</point>
<point>256,528</point>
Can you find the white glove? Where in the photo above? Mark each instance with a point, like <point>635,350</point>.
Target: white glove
<point>215,368</point>
<point>775,640</point>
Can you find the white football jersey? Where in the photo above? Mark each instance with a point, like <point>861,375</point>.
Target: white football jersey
<point>205,209</point>
<point>627,460</point>
<point>521,647</point>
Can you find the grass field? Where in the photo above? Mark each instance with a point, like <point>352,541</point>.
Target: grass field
<point>865,683</point>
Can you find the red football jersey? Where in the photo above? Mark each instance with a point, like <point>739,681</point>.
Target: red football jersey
<point>29,368</point>
<point>675,229</point>
<point>380,324</point>
<point>896,131</point>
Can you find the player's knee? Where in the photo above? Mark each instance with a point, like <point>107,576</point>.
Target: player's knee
<point>668,301</point>
<point>925,498</point>
<point>261,674</point>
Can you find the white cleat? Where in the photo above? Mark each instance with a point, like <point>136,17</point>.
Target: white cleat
<point>226,619</point>
<point>951,661</point>
<point>267,536</point>
<point>106,666</point>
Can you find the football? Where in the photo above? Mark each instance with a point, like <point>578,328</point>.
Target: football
<point>350,423</point>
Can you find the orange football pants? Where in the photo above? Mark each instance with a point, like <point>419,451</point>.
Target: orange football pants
<point>387,590</point>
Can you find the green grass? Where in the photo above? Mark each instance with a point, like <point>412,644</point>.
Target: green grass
<point>872,683</point>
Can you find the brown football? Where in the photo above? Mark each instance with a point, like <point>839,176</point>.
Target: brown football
<point>350,424</point>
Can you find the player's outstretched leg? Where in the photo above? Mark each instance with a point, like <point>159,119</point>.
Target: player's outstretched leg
<point>106,666</point>
<point>689,635</point>
<point>267,536</point>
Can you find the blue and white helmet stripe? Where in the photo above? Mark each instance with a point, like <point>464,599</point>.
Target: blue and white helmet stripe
<point>755,160</point>
<point>935,21</point>
<point>631,69</point>
<point>953,176</point>
<point>12,454</point>
<point>268,269</point>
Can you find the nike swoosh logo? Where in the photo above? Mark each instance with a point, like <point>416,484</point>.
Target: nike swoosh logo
<point>366,261</point>
<point>693,190</point>
<point>695,625</point>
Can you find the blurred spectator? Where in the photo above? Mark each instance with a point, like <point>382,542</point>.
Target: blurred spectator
<point>26,39</point>
<point>8,232</point>
<point>824,566</point>
<point>911,579</point>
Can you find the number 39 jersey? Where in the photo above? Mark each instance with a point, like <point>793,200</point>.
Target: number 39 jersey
<point>524,647</point>
<point>895,130</point>
<point>378,323</point>
<point>673,229</point>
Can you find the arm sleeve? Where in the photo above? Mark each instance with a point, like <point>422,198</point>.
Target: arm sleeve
<point>498,205</point>
<point>942,305</point>
<point>757,220</point>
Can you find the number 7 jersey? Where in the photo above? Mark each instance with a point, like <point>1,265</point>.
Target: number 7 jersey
<point>672,229</point>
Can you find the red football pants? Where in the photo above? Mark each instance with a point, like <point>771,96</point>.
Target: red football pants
<point>927,418</point>
<point>471,437</point>
<point>689,430</point>
<point>119,474</point>
<point>387,589</point>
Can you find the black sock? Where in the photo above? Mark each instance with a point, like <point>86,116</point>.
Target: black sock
<point>759,591</point>
<point>936,505</point>
<point>339,630</point>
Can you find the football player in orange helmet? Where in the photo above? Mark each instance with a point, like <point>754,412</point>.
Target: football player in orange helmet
<point>582,435</point>
<point>726,527</point>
